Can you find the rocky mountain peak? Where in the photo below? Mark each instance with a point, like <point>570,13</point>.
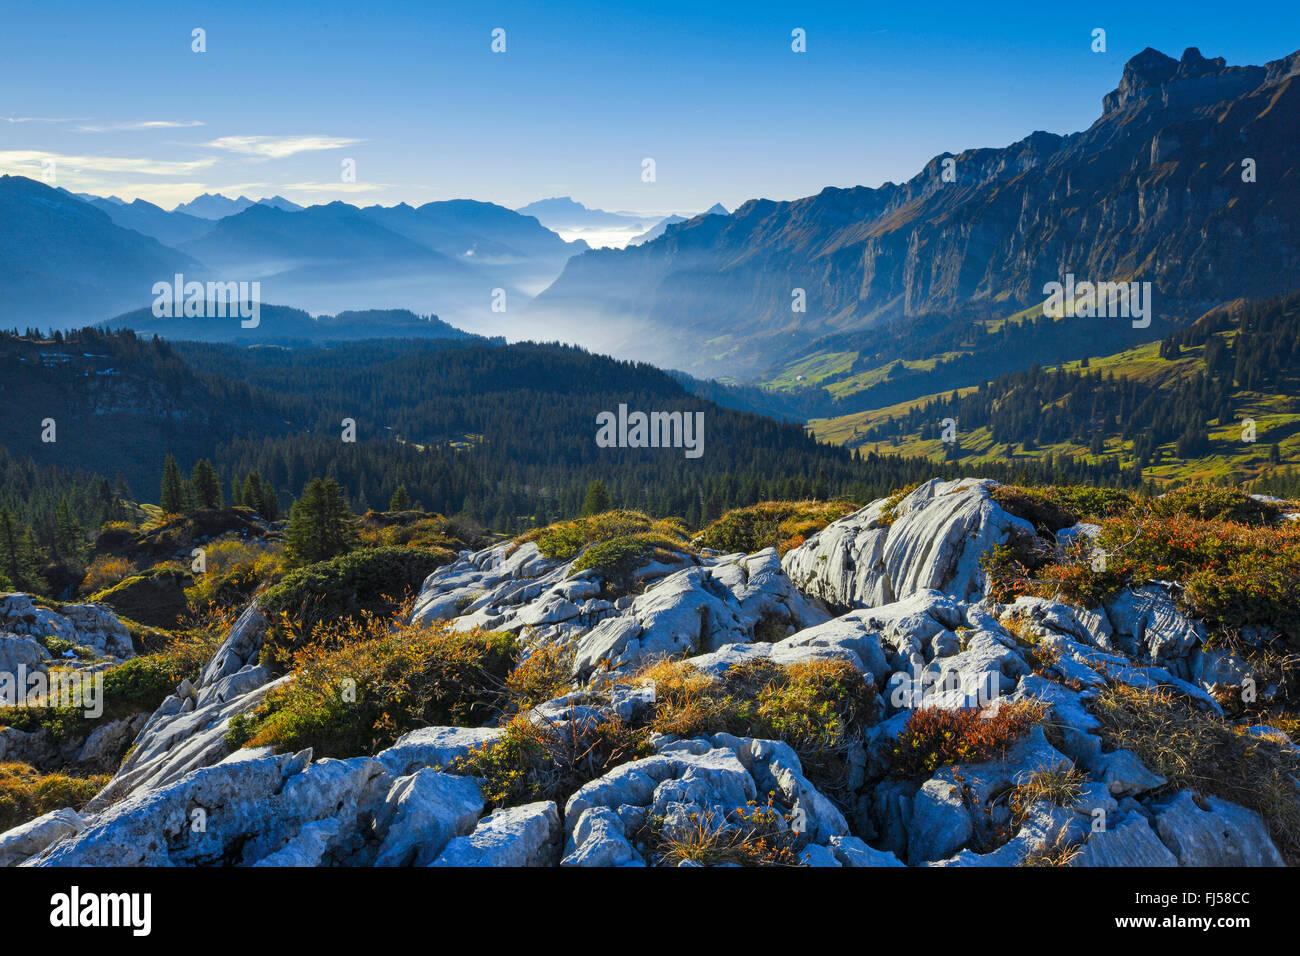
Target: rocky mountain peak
<point>1148,69</point>
<point>1192,81</point>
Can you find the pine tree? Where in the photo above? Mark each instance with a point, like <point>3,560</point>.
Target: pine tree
<point>172,498</point>
<point>597,499</point>
<point>268,502</point>
<point>20,560</point>
<point>400,501</point>
<point>320,524</point>
<point>67,533</point>
<point>250,495</point>
<point>207,486</point>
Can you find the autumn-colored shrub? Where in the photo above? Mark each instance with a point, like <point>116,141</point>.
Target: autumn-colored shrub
<point>779,524</point>
<point>26,793</point>
<point>370,580</point>
<point>105,571</point>
<point>932,737</point>
<point>818,707</point>
<point>1231,575</point>
<point>357,685</point>
<point>543,675</point>
<point>234,570</point>
<point>539,760</point>
<point>1210,503</point>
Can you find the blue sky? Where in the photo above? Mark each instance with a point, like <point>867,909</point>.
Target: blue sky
<point>412,92</point>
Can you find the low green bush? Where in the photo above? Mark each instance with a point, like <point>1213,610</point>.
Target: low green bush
<point>564,540</point>
<point>372,580</point>
<point>771,524</point>
<point>359,685</point>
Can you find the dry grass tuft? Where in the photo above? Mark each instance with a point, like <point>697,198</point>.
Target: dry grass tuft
<point>1196,750</point>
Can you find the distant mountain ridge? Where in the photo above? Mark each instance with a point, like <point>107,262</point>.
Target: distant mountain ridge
<point>284,325</point>
<point>217,206</point>
<point>169,228</point>
<point>563,212</point>
<point>61,258</point>
<point>659,228</point>
<point>77,259</point>
<point>1153,190</point>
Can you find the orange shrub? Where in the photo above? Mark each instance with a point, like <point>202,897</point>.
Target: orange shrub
<point>932,738</point>
<point>105,571</point>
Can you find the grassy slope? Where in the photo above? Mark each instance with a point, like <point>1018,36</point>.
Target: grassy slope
<point>1273,413</point>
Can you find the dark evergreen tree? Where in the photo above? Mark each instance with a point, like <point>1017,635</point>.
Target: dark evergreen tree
<point>320,524</point>
<point>596,500</point>
<point>172,498</point>
<point>401,501</point>
<point>207,485</point>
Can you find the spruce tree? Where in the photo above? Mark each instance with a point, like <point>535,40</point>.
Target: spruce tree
<point>400,501</point>
<point>320,524</point>
<point>207,486</point>
<point>268,502</point>
<point>597,499</point>
<point>20,562</point>
<point>172,498</point>
<point>250,495</point>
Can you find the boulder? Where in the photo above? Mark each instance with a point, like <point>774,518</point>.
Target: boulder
<point>84,625</point>
<point>597,839</point>
<point>941,822</point>
<point>1207,831</point>
<point>529,835</point>
<point>1148,625</point>
<point>1129,843</point>
<point>1124,774</point>
<point>935,540</point>
<point>852,851</point>
<point>422,813</point>
<point>18,653</point>
<point>433,747</point>
<point>28,839</point>
<point>688,612</point>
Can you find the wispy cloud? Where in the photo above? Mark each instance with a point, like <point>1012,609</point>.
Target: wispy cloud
<point>335,187</point>
<point>41,119</point>
<point>23,160</point>
<point>143,124</point>
<point>278,147</point>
